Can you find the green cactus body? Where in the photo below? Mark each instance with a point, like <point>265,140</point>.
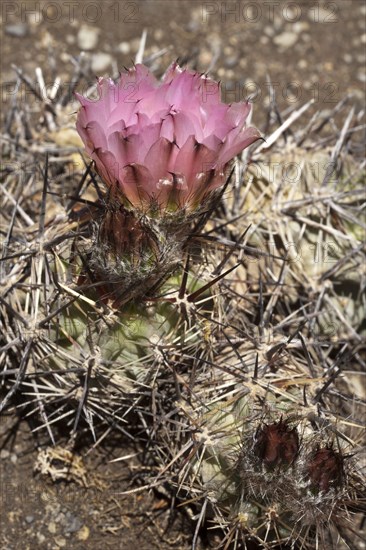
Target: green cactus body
<point>295,215</point>
<point>264,469</point>
<point>124,343</point>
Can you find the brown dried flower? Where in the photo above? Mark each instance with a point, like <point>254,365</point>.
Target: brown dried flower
<point>276,444</point>
<point>325,469</point>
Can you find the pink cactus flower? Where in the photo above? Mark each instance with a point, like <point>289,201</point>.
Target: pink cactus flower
<point>167,143</point>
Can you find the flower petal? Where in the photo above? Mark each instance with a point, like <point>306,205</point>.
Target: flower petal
<point>157,159</point>
<point>194,158</point>
<point>136,182</point>
<point>233,146</point>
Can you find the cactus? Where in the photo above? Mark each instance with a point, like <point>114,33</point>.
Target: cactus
<point>115,296</point>
<point>231,354</point>
<point>270,467</point>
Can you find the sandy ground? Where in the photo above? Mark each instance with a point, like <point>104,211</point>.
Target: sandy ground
<point>308,52</point>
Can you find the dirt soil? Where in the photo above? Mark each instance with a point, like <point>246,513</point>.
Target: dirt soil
<point>309,50</point>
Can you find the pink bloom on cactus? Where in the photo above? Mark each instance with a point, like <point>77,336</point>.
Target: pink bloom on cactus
<point>169,142</point>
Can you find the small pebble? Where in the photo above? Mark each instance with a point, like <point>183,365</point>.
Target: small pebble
<point>29,519</point>
<point>101,62</point>
<point>303,64</point>
<point>60,518</point>
<point>228,50</point>
<point>84,533</point>
<point>41,538</point>
<point>19,31</point>
<point>231,61</point>
<point>60,541</point>
<point>286,39</point>
<point>300,26</point>
<point>88,37</point>
<point>52,527</point>
<point>193,26</point>
<point>70,39</point>
<point>205,58</point>
<point>158,35</point>
<point>74,524</point>
<point>124,47</point>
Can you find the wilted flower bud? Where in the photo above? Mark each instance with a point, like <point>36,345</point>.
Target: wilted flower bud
<point>163,145</point>
<point>276,444</point>
<point>325,469</point>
